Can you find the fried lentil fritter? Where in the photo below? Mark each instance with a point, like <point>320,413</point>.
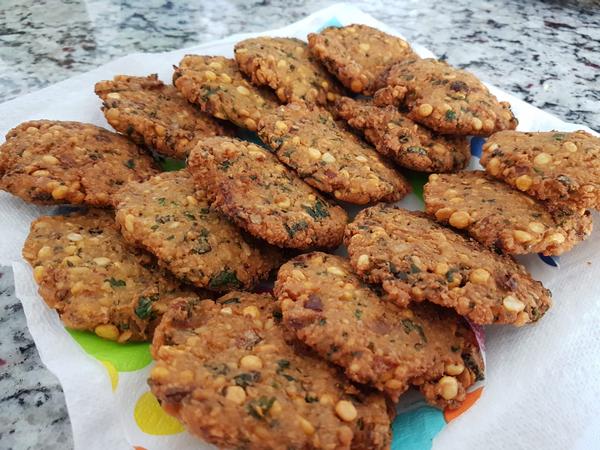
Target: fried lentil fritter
<point>285,65</point>
<point>261,195</point>
<point>94,280</point>
<point>55,162</point>
<point>329,157</point>
<point>376,342</point>
<point>416,259</point>
<point>407,143</point>
<point>560,168</point>
<point>155,115</point>
<point>443,98</point>
<point>358,54</point>
<point>218,87</point>
<point>168,217</point>
<point>231,374</point>
<point>501,217</point>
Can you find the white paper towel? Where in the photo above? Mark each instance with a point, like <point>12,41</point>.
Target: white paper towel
<point>543,381</point>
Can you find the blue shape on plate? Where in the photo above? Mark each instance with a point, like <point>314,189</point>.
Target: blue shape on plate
<point>251,136</point>
<point>477,146</point>
<point>64,210</point>
<point>553,261</point>
<point>333,22</point>
<point>415,430</point>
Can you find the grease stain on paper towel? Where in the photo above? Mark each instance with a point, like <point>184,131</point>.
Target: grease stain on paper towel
<point>124,357</point>
<point>151,418</point>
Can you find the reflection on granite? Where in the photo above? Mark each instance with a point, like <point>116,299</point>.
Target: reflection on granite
<point>33,413</point>
<point>544,52</point>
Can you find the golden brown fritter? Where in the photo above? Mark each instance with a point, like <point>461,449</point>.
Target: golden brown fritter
<point>167,216</point>
<point>501,217</point>
<point>156,115</point>
<point>561,168</point>
<point>416,259</point>
<point>329,157</point>
<point>443,98</point>
<point>285,65</point>
<point>407,143</point>
<point>54,162</point>
<point>231,374</point>
<point>376,342</point>
<point>261,195</point>
<point>94,280</point>
<point>217,86</point>
<point>358,54</point>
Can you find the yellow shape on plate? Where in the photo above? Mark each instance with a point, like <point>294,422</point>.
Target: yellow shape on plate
<point>112,373</point>
<point>151,418</point>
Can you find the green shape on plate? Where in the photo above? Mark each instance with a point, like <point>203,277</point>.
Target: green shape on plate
<point>125,357</point>
<point>170,164</point>
<point>416,180</point>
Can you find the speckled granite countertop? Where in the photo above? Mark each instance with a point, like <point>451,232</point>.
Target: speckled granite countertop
<point>544,52</point>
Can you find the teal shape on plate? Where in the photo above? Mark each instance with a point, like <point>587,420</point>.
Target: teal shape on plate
<point>415,430</point>
<point>333,22</point>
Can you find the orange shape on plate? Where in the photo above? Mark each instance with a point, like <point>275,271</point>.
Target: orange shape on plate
<point>472,397</point>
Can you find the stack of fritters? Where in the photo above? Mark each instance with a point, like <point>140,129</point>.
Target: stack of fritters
<point>321,362</point>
